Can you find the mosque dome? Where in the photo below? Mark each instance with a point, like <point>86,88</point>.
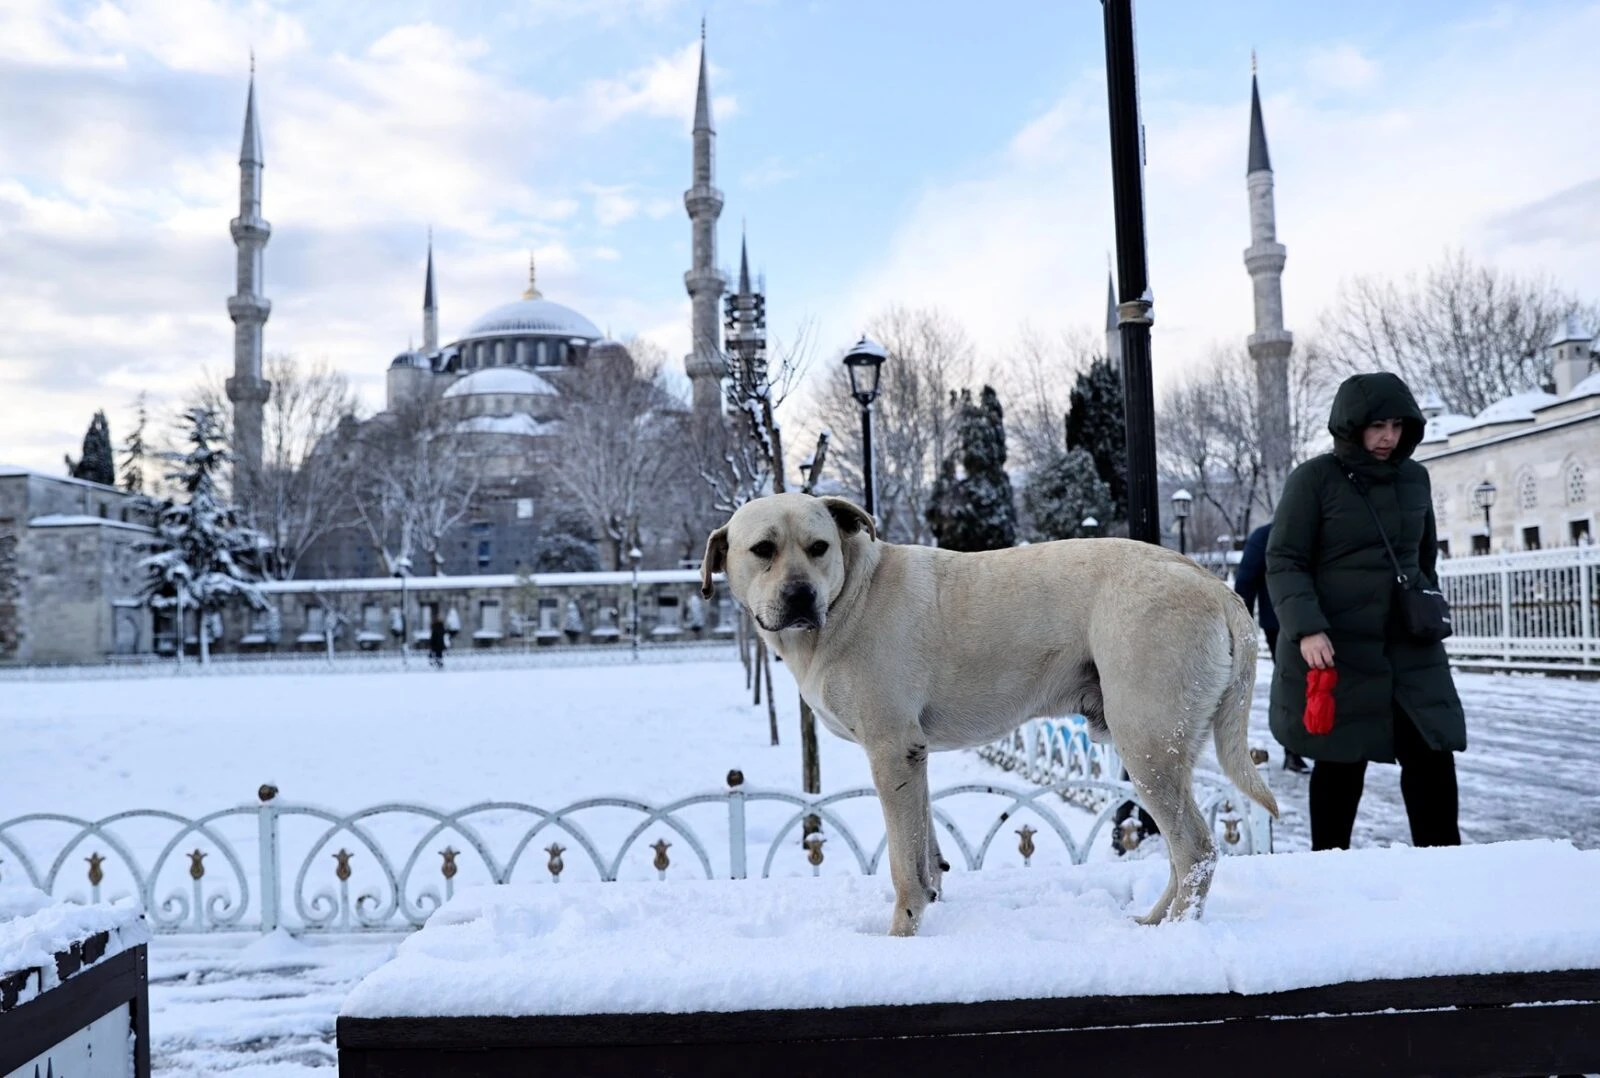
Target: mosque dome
<point>501,380</point>
<point>533,317</point>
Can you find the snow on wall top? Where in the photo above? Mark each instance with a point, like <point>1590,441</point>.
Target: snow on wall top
<point>1273,923</point>
<point>34,928</point>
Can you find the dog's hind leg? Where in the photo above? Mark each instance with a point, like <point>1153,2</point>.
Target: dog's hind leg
<point>1167,794</point>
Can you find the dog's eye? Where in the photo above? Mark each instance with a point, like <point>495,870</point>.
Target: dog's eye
<point>818,549</point>
<point>764,549</point>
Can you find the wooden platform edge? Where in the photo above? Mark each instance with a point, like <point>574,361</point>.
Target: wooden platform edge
<point>955,1019</point>
<point>89,993</point>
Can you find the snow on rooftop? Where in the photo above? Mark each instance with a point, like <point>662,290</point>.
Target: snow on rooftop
<point>1272,924</point>
<point>1440,427</point>
<point>74,520</point>
<point>1571,329</point>
<point>1588,387</point>
<point>502,380</point>
<point>1517,408</point>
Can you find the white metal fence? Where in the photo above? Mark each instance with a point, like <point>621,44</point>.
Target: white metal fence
<point>1537,610</point>
<point>256,868</point>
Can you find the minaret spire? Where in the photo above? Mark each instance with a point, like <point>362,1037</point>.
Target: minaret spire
<point>705,363</point>
<point>430,307</point>
<point>1113,324</point>
<point>1270,344</point>
<point>532,291</point>
<point>248,308</point>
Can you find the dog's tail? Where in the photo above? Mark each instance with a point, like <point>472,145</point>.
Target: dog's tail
<point>1231,724</point>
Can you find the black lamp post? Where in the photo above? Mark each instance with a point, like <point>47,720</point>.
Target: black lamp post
<point>635,556</point>
<point>402,569</point>
<point>1181,501</point>
<point>864,361</point>
<point>1088,526</point>
<point>1483,497</point>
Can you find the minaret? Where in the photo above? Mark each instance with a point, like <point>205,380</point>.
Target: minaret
<point>1270,344</point>
<point>248,307</point>
<point>746,326</point>
<point>704,364</point>
<point>430,308</point>
<point>1113,325</point>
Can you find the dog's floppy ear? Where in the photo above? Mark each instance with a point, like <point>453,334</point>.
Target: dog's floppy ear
<point>715,561</point>
<point>850,517</point>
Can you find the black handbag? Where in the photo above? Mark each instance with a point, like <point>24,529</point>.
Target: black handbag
<point>1424,612</point>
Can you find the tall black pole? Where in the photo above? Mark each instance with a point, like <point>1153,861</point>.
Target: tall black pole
<point>1133,282</point>
<point>868,494</point>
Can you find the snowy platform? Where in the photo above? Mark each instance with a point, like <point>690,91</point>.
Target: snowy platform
<point>1477,960</point>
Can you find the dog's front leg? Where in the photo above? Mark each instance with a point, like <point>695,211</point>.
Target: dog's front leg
<point>900,772</point>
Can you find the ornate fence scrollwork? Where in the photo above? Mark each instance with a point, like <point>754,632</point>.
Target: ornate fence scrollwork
<point>388,867</point>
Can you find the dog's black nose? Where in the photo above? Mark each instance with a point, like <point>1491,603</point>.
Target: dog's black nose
<point>799,605</point>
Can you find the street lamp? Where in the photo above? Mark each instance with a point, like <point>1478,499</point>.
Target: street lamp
<point>1089,525</point>
<point>1483,498</point>
<point>1181,502</point>
<point>402,569</point>
<point>864,361</point>
<point>635,556</point>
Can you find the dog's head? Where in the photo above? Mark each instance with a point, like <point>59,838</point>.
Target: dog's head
<point>787,557</point>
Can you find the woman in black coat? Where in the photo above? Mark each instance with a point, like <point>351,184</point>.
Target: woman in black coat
<point>1332,585</point>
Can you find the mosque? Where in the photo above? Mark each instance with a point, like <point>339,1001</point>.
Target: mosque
<point>502,382</point>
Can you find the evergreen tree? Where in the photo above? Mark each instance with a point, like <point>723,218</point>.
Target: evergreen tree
<point>1095,422</point>
<point>134,451</point>
<point>973,508</point>
<point>97,464</point>
<point>201,556</point>
<point>1062,493</point>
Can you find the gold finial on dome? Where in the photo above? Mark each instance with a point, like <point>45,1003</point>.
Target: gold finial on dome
<point>533,288</point>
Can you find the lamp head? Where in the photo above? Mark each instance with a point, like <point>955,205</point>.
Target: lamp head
<point>864,361</point>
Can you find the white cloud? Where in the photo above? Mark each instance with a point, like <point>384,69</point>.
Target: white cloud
<point>663,88</point>
<point>1340,67</point>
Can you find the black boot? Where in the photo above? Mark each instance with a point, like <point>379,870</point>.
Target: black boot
<point>1293,761</point>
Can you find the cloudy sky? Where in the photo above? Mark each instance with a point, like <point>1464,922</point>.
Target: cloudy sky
<point>930,153</point>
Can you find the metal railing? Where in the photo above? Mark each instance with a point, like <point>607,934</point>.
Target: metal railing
<point>1537,609</point>
<point>307,869</point>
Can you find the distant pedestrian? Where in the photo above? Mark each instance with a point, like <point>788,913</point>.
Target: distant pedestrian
<point>1375,691</point>
<point>436,640</point>
<point>1251,583</point>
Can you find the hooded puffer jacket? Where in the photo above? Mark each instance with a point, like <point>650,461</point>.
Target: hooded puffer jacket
<point>1328,572</point>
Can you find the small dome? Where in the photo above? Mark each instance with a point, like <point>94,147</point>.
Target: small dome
<point>520,423</point>
<point>533,316</point>
<point>1441,426</point>
<point>502,380</point>
<point>411,358</point>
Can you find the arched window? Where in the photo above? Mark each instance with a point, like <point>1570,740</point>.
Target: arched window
<point>1528,492</point>
<point>1576,493</point>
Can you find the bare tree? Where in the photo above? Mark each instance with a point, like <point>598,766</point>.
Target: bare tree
<point>412,480</point>
<point>1035,376</point>
<point>1208,438</point>
<point>742,457</point>
<point>614,453</point>
<point>930,355</point>
<point>1469,332</point>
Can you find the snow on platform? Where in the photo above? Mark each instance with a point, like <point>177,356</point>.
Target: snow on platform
<point>1272,924</point>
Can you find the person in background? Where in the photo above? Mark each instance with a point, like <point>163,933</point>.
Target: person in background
<point>1390,697</point>
<point>1251,583</point>
<point>436,644</point>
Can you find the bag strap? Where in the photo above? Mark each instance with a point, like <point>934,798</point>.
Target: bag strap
<point>1399,573</point>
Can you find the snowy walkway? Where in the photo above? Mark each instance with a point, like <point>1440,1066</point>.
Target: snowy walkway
<point>256,1008</point>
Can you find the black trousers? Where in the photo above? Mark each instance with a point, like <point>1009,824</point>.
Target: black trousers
<point>1427,783</point>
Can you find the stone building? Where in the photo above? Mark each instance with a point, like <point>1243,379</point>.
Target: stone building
<point>69,577</point>
<point>1540,451</point>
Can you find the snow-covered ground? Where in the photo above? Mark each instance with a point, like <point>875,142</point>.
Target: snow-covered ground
<point>264,1008</point>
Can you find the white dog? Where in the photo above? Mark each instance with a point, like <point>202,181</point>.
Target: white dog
<point>910,649</point>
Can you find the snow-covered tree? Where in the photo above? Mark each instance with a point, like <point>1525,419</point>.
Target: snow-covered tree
<point>98,464</point>
<point>972,508</point>
<point>135,450</point>
<point>1096,423</point>
<point>201,556</point>
<point>1062,493</point>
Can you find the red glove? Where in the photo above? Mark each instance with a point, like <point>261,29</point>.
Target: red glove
<point>1319,700</point>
